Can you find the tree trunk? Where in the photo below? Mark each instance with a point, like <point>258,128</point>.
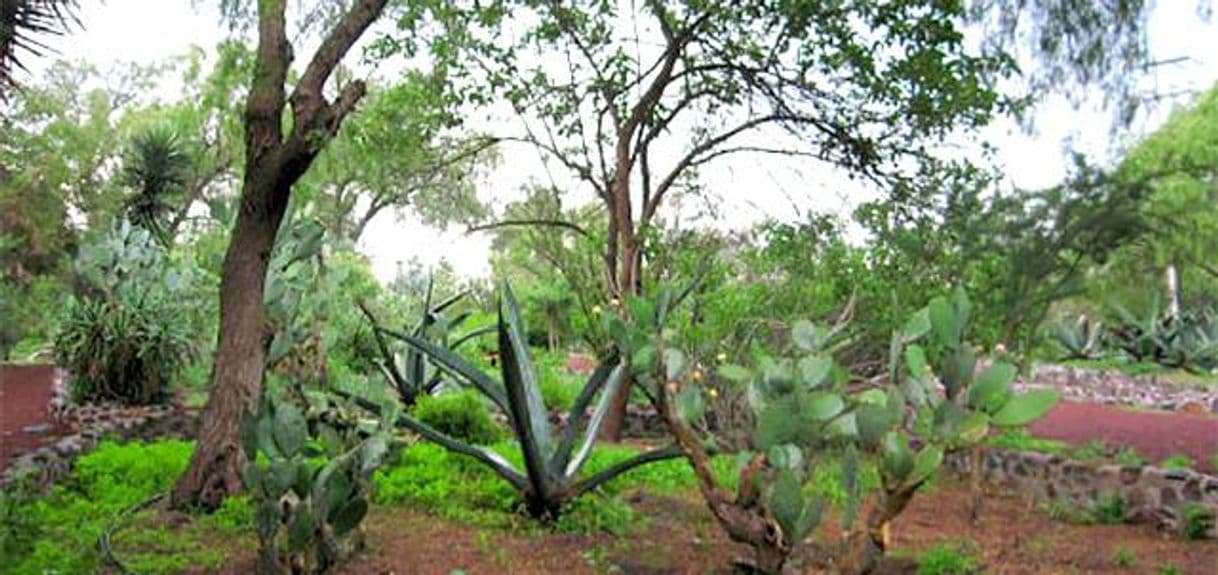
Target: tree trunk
<point>237,370</point>
<point>274,162</point>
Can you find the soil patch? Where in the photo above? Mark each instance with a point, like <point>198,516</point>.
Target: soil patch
<point>680,537</point>
<point>1153,434</point>
<point>25,393</point>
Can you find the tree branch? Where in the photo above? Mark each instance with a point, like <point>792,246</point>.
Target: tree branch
<point>529,222</point>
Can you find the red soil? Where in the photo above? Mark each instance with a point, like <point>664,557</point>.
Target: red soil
<point>25,391</point>
<point>1155,435</point>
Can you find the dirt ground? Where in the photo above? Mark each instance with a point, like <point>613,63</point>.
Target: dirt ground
<point>680,537</point>
<point>25,391</point>
<point>1153,434</point>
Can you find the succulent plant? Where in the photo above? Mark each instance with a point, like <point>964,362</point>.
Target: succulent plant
<point>1081,339</point>
<point>308,506</point>
<point>410,372</point>
<point>550,477</point>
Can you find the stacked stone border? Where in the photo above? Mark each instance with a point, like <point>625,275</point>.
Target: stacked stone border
<point>1151,494</point>
<point>86,425</point>
<point>1113,387</point>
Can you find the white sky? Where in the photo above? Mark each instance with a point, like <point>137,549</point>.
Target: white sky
<point>146,31</point>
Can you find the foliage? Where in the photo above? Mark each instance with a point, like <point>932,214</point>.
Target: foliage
<point>1079,340</point>
<point>1109,510</point>
<point>1196,521</point>
<point>1124,558</point>
<point>157,169</point>
<point>411,372</point>
<point>309,503</point>
<point>24,23</point>
<point>127,342</point>
<point>1178,461</point>
<point>1020,440</point>
<point>550,478</point>
<point>460,414</point>
<point>802,411</point>
<point>57,532</point>
<point>947,559</point>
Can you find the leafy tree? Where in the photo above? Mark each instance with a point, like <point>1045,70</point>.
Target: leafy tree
<point>275,160</point>
<point>395,154</point>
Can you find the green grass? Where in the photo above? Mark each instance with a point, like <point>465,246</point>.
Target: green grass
<point>1178,461</point>
<point>57,533</point>
<point>1020,440</point>
<point>1124,558</point>
<point>1145,369</point>
<point>949,559</point>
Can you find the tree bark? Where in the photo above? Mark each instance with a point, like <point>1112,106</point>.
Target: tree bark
<point>274,162</point>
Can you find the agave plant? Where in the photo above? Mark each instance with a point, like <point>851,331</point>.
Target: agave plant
<point>553,458</point>
<point>1081,339</point>
<point>410,373</point>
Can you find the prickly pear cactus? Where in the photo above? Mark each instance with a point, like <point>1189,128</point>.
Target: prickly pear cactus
<point>309,504</point>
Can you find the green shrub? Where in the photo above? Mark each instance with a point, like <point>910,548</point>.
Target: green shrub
<point>1177,461</point>
<point>1129,457</point>
<point>1109,510</point>
<point>57,533</point>
<point>1197,521</point>
<point>461,414</point>
<point>1124,558</point>
<point>947,559</point>
<point>1019,439</point>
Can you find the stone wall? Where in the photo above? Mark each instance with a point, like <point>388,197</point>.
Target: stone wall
<point>1151,494</point>
<point>1111,386</point>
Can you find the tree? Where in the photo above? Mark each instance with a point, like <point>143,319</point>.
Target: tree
<point>634,123</point>
<point>394,154</point>
<point>274,162</point>
<point>22,22</point>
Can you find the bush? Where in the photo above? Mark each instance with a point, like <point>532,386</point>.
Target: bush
<point>461,414</point>
<point>945,559</point>
<point>58,533</point>
<point>1197,522</point>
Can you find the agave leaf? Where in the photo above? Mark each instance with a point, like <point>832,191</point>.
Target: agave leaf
<point>571,468</point>
<point>472,334</point>
<point>443,305</point>
<point>579,409</point>
<point>529,417</point>
<point>1025,408</point>
<point>457,365</point>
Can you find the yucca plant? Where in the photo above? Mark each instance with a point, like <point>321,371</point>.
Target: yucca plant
<point>21,24</point>
<point>1080,339</point>
<point>156,168</point>
<point>550,477</point>
<point>410,372</point>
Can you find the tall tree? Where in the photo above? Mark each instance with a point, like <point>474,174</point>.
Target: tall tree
<point>275,159</point>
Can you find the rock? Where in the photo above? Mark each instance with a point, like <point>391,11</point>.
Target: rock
<point>37,429</point>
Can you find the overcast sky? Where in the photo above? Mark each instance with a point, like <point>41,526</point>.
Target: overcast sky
<point>145,31</point>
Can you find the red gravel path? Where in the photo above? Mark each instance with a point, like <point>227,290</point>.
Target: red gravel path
<point>1153,434</point>
<point>25,391</point>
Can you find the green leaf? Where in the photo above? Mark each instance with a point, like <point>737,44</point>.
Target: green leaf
<point>1025,408</point>
<point>786,502</point>
<point>959,370</point>
<point>785,456</point>
<point>291,429</point>
<point>674,363</point>
<point>734,373</point>
<point>814,370</point>
<point>917,326</point>
<point>974,428</point>
<point>822,406</point>
<point>690,404</point>
<point>873,422</point>
<point>349,516</point>
<point>807,335</point>
<point>301,529</point>
<point>280,476</point>
<point>992,387</point>
<point>776,424</point>
<point>943,321</point>
<point>915,360</point>
<point>898,459</point>
<point>926,463</point>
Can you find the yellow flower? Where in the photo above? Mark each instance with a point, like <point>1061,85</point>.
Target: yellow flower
<point>596,309</point>
<point>722,357</point>
<point>713,393</point>
<point>697,375</point>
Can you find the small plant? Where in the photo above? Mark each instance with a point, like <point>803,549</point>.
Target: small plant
<point>550,478</point>
<point>1197,521</point>
<point>1178,461</point>
<point>1168,569</point>
<point>1124,558</point>
<point>409,372</point>
<point>946,559</point>
<point>460,414</point>
<point>1081,339</point>
<point>1128,457</point>
<point>308,506</point>
<point>1093,450</point>
<point>1109,510</point>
